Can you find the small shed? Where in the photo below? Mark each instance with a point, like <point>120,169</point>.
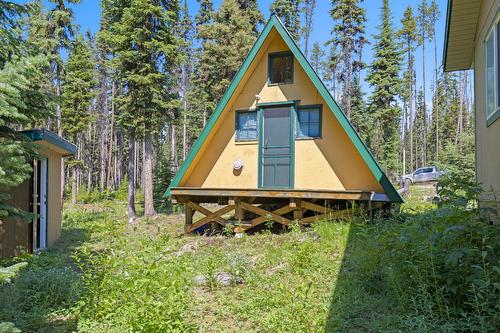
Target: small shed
<point>40,194</point>
<point>277,147</point>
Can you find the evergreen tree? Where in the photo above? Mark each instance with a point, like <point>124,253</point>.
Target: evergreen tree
<point>308,9</point>
<point>78,87</point>
<point>433,19</point>
<point>147,53</point>
<point>424,30</point>
<point>22,101</point>
<point>289,13</point>
<point>206,12</point>
<point>361,118</point>
<point>383,77</point>
<point>316,59</point>
<point>348,36</point>
<point>255,16</point>
<point>408,37</point>
<point>225,43</point>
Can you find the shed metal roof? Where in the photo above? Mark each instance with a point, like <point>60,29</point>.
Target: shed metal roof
<point>42,134</point>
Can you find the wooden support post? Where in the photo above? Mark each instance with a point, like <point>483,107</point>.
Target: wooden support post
<point>189,212</point>
<point>298,213</point>
<point>238,211</point>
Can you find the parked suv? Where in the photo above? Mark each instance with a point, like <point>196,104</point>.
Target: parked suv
<point>421,175</point>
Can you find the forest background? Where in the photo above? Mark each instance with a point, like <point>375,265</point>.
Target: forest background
<point>133,82</point>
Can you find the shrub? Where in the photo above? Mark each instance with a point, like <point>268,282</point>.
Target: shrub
<point>133,289</point>
<point>38,293</point>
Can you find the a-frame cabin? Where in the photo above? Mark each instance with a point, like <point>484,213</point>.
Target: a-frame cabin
<point>277,147</point>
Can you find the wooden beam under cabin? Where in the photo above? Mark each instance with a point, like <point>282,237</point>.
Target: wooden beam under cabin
<point>264,213</point>
<point>182,192</point>
<point>213,216</point>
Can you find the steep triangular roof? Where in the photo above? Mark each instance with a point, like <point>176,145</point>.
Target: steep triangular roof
<point>275,22</point>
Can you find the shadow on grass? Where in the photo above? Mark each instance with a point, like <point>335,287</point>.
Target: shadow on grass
<point>41,296</point>
<point>360,301</point>
<point>434,270</point>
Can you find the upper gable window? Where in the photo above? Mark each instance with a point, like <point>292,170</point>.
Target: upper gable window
<point>280,68</point>
<point>492,52</point>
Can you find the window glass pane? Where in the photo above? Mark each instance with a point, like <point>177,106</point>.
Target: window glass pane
<point>246,125</point>
<point>252,119</point>
<point>308,123</point>
<point>303,116</point>
<point>252,133</point>
<point>490,75</point>
<point>288,69</point>
<point>314,115</point>
<point>303,130</point>
<point>281,70</point>
<point>314,130</point>
<point>277,63</point>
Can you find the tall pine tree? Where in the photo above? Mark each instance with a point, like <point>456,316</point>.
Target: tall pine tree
<point>147,52</point>
<point>289,12</point>
<point>348,37</point>
<point>383,77</point>
<point>408,37</point>
<point>78,86</point>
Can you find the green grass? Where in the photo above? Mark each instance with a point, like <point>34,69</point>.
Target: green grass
<point>424,270</point>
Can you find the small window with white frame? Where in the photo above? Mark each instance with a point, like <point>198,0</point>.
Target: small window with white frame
<point>492,72</point>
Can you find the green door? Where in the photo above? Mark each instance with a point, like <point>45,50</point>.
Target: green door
<point>276,147</point>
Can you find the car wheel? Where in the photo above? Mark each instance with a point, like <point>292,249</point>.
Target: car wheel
<point>407,182</point>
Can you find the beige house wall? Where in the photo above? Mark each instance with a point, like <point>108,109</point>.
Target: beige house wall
<point>487,137</point>
<point>330,163</point>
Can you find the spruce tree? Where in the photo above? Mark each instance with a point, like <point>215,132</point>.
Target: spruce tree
<point>206,12</point>
<point>308,8</point>
<point>225,43</point>
<point>316,59</point>
<point>408,37</point>
<point>147,53</point>
<point>424,30</point>
<point>289,13</point>
<point>361,118</point>
<point>348,36</point>
<point>23,100</point>
<point>383,76</point>
<point>78,86</point>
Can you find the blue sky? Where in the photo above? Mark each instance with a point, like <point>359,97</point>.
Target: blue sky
<point>87,15</point>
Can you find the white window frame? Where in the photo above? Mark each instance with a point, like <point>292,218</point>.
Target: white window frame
<point>495,114</point>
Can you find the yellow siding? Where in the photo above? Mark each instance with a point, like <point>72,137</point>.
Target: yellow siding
<point>487,138</point>
<point>330,163</point>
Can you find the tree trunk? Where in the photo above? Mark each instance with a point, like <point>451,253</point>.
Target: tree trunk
<point>424,129</point>
<point>131,176</point>
<point>103,127</point>
<point>149,209</point>
<point>410,97</point>
<point>463,84</point>
<point>74,184</point>
<point>437,96</point>
<point>184,135</point>
<point>173,150</point>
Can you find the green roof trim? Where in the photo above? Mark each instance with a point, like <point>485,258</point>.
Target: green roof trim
<point>43,134</point>
<point>446,33</point>
<point>275,22</point>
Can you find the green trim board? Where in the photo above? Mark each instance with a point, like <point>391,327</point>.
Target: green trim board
<point>447,32</point>
<point>275,22</point>
<point>42,134</point>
